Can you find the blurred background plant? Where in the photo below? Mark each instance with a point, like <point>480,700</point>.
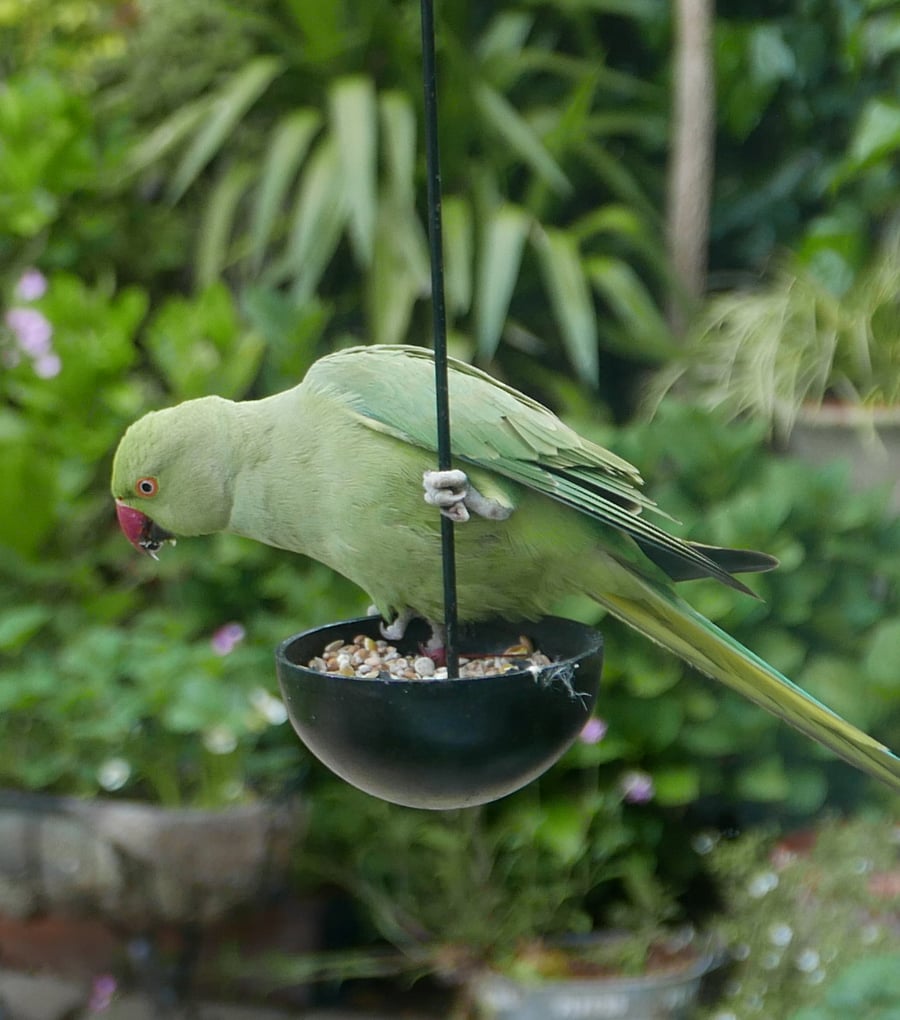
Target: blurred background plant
<point>206,197</point>
<point>810,921</point>
<point>538,868</point>
<point>308,164</point>
<point>777,350</point>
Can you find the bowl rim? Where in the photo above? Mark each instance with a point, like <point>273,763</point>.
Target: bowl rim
<point>535,672</point>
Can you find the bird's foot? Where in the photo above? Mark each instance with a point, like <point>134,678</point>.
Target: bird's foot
<point>395,630</point>
<point>436,646</point>
<point>452,493</point>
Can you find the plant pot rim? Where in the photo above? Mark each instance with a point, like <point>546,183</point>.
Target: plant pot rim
<point>833,414</point>
<point>707,954</point>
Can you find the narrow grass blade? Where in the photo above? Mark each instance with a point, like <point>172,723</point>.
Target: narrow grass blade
<point>498,268</point>
<point>354,121</point>
<point>224,112</point>
<point>217,226</point>
<point>290,143</point>
<point>571,298</point>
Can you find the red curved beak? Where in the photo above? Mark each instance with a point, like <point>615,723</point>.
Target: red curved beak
<point>137,527</point>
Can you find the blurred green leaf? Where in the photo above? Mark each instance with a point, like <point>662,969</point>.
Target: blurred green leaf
<point>571,299</point>
<point>646,333</point>
<point>562,829</point>
<point>202,347</point>
<point>217,225</point>
<point>503,117</point>
<point>877,135</point>
<point>882,661</point>
<point>223,112</point>
<point>399,275</point>
<point>354,120</point>
<point>317,221</point>
<point>500,254</point>
<point>809,790</point>
<point>458,254</point>
<point>398,119</point>
<point>321,26</point>
<point>290,143</point>
<point>18,625</point>
<point>765,781</point>
<point>676,786</point>
<point>167,135</point>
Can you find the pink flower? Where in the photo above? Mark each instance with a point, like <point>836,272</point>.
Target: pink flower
<point>31,286</point>
<point>32,330</point>
<point>593,731</point>
<point>227,637</point>
<point>636,786</point>
<point>103,988</point>
<point>47,366</point>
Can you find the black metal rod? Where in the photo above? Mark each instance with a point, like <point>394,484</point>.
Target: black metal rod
<point>439,314</point>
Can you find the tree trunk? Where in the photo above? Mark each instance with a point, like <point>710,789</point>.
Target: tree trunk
<point>691,154</point>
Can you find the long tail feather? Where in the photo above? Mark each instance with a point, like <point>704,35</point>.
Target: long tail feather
<point>669,621</point>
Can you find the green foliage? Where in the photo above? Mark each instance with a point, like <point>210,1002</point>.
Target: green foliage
<point>60,203</point>
<point>770,351</point>
<point>806,97</point>
<point>56,429</point>
<point>486,880</point>
<point>808,929</point>
<point>110,677</point>
<point>46,152</point>
<point>827,617</point>
<point>290,191</point>
<point>69,38</point>
<point>867,988</point>
<point>199,345</point>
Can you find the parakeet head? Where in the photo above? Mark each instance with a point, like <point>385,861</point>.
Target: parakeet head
<point>172,473</point>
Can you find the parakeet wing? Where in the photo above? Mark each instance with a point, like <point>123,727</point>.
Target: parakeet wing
<point>391,389</point>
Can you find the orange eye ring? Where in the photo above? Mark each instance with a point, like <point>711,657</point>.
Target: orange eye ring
<point>146,487</point>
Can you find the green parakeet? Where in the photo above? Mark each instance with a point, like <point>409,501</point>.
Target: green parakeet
<point>333,469</point>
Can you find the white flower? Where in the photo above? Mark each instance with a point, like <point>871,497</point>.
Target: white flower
<point>762,883</point>
<point>220,740</point>
<point>780,934</point>
<point>113,774</point>
<point>270,708</point>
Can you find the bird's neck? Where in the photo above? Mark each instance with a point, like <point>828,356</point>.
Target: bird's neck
<point>274,491</point>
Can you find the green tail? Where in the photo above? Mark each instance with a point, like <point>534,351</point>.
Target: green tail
<point>669,621</point>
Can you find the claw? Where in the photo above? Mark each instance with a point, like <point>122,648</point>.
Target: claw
<point>452,493</point>
<point>395,630</point>
<point>436,646</point>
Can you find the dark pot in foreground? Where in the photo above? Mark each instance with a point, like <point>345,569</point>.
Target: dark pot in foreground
<point>444,743</point>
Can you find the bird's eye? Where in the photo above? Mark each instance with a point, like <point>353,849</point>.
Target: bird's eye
<point>146,487</point>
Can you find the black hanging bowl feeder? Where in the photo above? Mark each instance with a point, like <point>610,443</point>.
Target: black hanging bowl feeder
<point>448,743</point>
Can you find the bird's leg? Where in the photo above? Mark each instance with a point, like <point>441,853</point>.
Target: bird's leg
<point>436,646</point>
<point>452,493</point>
<point>395,630</point>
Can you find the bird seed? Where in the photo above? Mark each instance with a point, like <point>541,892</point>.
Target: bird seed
<point>368,658</point>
